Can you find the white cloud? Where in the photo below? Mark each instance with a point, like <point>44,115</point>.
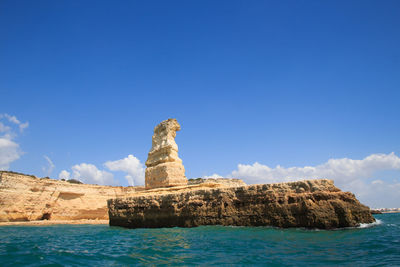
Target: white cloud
<point>50,166</point>
<point>4,128</point>
<point>348,174</point>
<point>23,126</point>
<point>64,175</point>
<point>9,149</point>
<point>132,166</point>
<point>14,120</point>
<point>89,174</point>
<point>9,152</point>
<point>376,194</point>
<point>215,175</point>
<point>341,170</point>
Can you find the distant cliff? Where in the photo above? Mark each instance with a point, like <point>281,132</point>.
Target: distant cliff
<point>310,204</point>
<point>27,198</point>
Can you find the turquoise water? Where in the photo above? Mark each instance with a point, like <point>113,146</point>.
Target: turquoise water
<point>101,245</point>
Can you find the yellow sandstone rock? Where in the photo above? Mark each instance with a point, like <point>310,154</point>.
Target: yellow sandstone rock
<point>164,167</point>
<point>28,198</point>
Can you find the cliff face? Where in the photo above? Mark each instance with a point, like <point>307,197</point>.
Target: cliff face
<point>310,204</point>
<point>26,198</point>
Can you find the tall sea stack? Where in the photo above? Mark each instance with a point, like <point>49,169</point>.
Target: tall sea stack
<point>164,167</point>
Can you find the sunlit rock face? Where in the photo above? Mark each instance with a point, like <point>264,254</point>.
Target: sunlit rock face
<point>28,198</point>
<point>164,167</point>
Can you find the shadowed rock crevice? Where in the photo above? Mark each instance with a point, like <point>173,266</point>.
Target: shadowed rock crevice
<point>46,216</point>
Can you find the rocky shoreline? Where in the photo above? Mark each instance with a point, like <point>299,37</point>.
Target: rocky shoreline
<point>309,204</point>
<point>27,200</point>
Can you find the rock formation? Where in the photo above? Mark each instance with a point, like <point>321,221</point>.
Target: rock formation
<point>309,204</point>
<point>164,167</point>
<point>27,198</point>
<point>171,201</point>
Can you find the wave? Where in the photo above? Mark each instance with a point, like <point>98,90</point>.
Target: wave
<point>368,225</point>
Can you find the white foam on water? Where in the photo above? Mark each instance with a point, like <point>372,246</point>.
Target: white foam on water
<point>367,225</point>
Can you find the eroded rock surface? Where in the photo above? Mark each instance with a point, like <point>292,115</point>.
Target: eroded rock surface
<point>310,204</point>
<point>27,198</point>
<point>164,167</point>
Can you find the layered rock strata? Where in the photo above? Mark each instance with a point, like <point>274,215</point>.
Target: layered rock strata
<point>164,167</point>
<point>27,198</point>
<point>309,204</point>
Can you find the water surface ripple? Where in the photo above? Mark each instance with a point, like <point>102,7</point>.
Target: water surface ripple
<point>101,245</point>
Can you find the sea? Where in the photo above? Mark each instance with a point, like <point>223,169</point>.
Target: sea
<point>375,244</point>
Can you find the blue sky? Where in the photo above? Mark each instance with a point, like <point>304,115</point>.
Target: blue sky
<point>289,83</point>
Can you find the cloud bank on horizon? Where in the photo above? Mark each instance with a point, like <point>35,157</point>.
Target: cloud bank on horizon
<point>348,174</point>
<point>341,170</point>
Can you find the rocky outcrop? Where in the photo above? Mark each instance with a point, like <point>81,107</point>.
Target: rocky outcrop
<point>27,198</point>
<point>310,204</point>
<point>164,167</point>
<point>376,211</point>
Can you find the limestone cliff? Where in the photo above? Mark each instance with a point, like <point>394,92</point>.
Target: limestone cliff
<point>310,204</point>
<point>164,167</point>
<point>26,198</point>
